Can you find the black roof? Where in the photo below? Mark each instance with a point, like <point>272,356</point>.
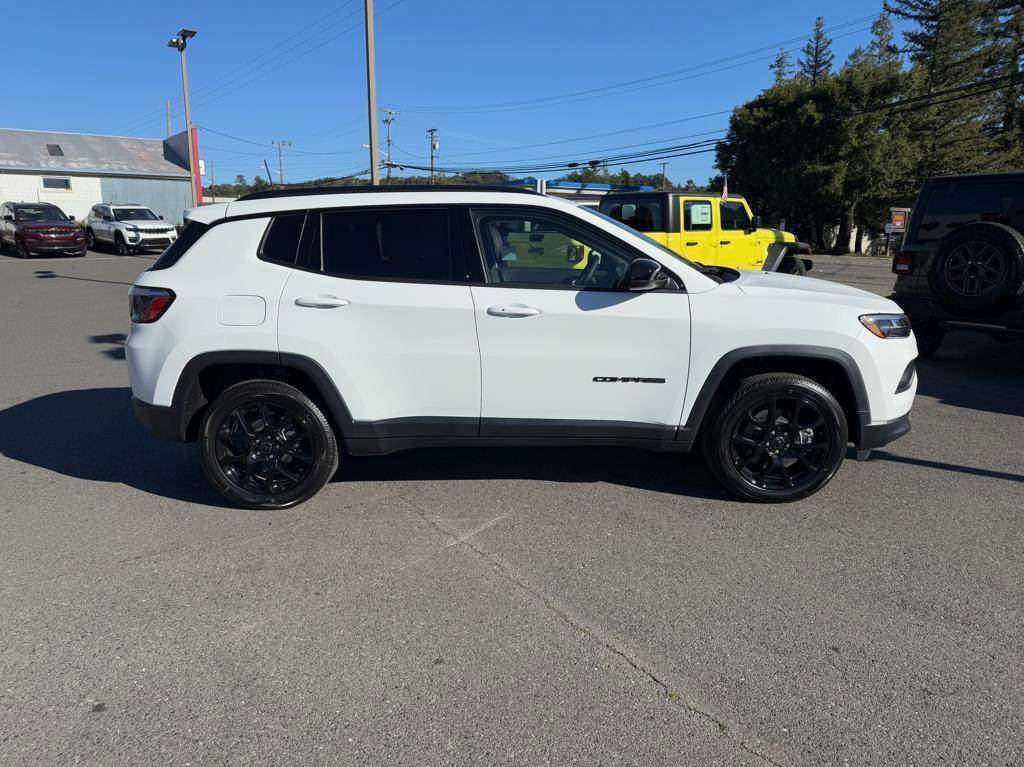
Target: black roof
<point>310,190</point>
<point>979,176</point>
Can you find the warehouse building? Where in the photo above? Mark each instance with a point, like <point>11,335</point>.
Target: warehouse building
<point>76,171</point>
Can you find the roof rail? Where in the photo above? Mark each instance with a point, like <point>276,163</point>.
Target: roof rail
<point>309,190</point>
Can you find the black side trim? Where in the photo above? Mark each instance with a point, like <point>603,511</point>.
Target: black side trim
<point>779,250</point>
<point>544,428</point>
<point>879,434</point>
<point>718,373</point>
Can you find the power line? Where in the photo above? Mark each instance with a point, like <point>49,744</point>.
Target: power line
<point>572,96</point>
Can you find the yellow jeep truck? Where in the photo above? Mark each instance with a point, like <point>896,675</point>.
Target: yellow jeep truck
<point>707,230</point>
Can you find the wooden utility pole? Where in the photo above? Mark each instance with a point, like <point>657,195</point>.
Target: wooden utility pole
<point>371,93</point>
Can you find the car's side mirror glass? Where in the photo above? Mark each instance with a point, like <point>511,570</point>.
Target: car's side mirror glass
<point>160,217</point>
<point>646,274</point>
<point>108,218</point>
<point>8,217</point>
<point>756,223</point>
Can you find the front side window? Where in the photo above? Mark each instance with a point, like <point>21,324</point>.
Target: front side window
<point>642,215</point>
<point>537,249</point>
<point>952,204</point>
<point>697,215</point>
<point>134,214</point>
<point>391,244</point>
<point>734,216</point>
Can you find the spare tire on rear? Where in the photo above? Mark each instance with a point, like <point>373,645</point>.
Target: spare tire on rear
<point>978,267</point>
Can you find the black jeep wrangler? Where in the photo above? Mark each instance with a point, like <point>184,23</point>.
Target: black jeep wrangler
<point>961,266</point>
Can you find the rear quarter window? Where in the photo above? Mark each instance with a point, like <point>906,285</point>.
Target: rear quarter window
<point>189,236</point>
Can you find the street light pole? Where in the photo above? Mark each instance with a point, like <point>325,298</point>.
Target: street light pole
<point>371,92</point>
<point>180,43</point>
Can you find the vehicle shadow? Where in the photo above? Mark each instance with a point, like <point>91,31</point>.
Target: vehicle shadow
<point>975,372</point>
<point>116,340</point>
<point>49,274</point>
<point>884,455</point>
<point>92,434</point>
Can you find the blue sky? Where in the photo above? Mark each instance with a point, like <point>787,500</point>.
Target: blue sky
<point>262,71</point>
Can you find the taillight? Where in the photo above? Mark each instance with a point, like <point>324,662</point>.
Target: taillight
<point>148,304</point>
<point>903,262</point>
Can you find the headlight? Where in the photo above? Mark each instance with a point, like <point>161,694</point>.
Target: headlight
<point>131,228</point>
<point>887,325</point>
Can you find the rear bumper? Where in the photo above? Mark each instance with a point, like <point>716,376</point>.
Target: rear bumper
<point>167,422</point>
<point>881,434</point>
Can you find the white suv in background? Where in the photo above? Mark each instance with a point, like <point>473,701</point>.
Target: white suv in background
<point>286,325</point>
<point>127,227</point>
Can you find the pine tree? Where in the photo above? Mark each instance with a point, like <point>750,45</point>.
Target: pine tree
<point>781,66</point>
<point>816,64</point>
<point>946,51</point>
<point>1003,33</point>
<point>883,49</point>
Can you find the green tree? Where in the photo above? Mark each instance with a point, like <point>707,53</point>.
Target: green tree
<point>816,62</point>
<point>1003,33</point>
<point>946,50</point>
<point>781,66</point>
<point>883,48</point>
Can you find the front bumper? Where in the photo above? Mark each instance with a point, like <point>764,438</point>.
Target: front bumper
<point>54,246</point>
<point>881,434</point>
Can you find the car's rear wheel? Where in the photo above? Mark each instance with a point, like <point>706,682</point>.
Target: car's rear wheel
<point>778,437</point>
<point>929,337</point>
<point>266,445</point>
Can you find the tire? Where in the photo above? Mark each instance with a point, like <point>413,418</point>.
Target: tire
<point>121,246</point>
<point>260,469</point>
<point>978,267</point>
<point>793,265</point>
<point>3,245</point>
<point>90,240</point>
<point>19,248</point>
<point>776,460</point>
<point>929,336</point>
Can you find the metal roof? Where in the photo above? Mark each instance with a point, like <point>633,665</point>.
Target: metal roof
<point>84,154</point>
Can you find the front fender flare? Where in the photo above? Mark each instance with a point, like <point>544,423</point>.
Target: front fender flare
<point>779,251</point>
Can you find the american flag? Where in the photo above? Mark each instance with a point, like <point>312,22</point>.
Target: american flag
<point>725,188</point>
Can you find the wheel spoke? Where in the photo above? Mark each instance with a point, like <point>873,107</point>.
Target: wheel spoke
<point>740,439</point>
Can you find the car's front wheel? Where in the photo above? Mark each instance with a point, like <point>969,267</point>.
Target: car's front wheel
<point>266,445</point>
<point>778,437</point>
<point>122,246</point>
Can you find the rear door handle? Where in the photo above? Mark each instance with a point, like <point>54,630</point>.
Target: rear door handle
<point>725,242</point>
<point>321,302</point>
<point>512,310</point>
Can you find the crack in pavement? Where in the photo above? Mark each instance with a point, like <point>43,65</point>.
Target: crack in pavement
<point>671,695</point>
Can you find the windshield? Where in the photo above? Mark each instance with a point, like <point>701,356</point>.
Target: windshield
<point>642,236</point>
<point>134,214</point>
<point>39,213</point>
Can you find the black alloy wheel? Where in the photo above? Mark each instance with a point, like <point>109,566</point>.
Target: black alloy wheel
<point>266,445</point>
<point>122,247</point>
<point>778,438</point>
<point>90,240</point>
<point>974,269</point>
<point>19,248</point>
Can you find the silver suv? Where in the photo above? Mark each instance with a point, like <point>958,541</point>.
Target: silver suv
<point>127,227</point>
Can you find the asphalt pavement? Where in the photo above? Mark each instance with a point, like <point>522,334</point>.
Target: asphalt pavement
<point>507,606</point>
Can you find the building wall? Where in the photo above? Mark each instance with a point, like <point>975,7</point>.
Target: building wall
<point>27,187</point>
<point>169,198</point>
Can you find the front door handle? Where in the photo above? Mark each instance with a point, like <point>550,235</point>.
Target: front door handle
<point>725,242</point>
<point>321,302</point>
<point>694,242</point>
<point>512,310</point>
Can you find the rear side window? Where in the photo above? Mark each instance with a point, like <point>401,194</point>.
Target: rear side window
<point>950,205</point>
<point>392,244</point>
<point>642,215</point>
<point>189,236</point>
<point>281,241</point>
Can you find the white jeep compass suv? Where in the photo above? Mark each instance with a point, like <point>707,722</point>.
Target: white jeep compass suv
<point>286,325</point>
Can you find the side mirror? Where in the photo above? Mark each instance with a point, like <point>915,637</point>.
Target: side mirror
<point>646,274</point>
<point>756,223</point>
<point>108,218</point>
<point>8,217</point>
